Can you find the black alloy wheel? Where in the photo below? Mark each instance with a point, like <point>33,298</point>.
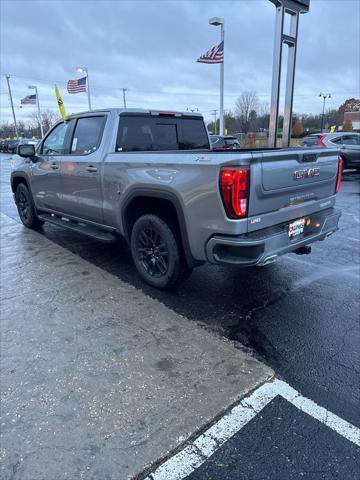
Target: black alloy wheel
<point>152,252</point>
<point>155,249</point>
<point>26,207</point>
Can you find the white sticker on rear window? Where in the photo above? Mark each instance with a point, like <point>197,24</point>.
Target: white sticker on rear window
<point>74,144</point>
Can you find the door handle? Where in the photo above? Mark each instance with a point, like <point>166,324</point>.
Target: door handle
<point>91,168</point>
<point>54,166</point>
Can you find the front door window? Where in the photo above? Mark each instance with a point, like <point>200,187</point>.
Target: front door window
<point>54,143</point>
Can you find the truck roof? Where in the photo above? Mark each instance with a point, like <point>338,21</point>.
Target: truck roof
<point>134,110</point>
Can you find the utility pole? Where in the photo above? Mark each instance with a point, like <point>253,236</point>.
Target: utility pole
<point>214,112</point>
<point>324,96</point>
<point>124,97</point>
<point>12,105</point>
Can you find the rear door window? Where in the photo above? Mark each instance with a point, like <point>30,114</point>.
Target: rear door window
<point>337,140</point>
<point>87,135</point>
<point>153,133</point>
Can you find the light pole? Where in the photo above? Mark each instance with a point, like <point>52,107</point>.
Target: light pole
<point>214,112</point>
<point>85,70</point>
<point>188,109</point>
<point>216,21</point>
<point>12,105</point>
<point>34,87</point>
<point>324,96</point>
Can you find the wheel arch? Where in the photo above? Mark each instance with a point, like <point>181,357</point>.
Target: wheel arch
<point>162,203</point>
<point>16,179</point>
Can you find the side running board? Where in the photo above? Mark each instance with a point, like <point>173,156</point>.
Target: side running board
<point>85,229</point>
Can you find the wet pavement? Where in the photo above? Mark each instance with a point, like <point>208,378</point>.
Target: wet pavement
<point>299,315</point>
<point>98,380</point>
<point>279,444</point>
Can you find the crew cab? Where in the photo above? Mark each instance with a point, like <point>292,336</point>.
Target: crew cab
<point>152,178</point>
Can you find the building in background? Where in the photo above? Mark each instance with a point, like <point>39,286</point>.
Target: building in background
<point>354,118</point>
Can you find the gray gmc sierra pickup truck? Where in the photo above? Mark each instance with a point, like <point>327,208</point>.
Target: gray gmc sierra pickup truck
<point>152,178</point>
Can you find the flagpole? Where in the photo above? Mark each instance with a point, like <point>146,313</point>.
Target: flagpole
<point>34,87</point>
<point>216,21</point>
<point>84,69</point>
<point>88,88</point>
<point>12,105</point>
<point>38,106</point>
<point>222,129</point>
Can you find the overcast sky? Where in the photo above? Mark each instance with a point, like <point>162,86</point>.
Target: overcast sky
<point>151,47</point>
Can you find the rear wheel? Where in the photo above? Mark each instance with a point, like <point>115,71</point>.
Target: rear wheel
<point>26,207</point>
<point>156,252</point>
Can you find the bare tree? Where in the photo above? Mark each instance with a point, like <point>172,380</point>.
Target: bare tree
<point>48,119</point>
<point>245,107</point>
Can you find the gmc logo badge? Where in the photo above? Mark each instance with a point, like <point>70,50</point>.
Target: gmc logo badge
<point>309,173</point>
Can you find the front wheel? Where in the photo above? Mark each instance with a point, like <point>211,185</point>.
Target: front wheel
<point>26,207</point>
<point>156,252</point>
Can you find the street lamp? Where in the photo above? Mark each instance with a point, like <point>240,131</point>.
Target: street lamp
<point>34,87</point>
<point>217,21</point>
<point>85,70</point>
<point>324,96</point>
<point>214,112</point>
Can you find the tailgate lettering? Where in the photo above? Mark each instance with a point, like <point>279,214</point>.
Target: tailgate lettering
<point>307,173</point>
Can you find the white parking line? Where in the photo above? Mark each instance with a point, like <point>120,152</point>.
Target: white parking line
<point>195,454</point>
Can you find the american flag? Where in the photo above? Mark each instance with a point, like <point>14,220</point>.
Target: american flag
<point>76,86</point>
<point>29,99</point>
<point>215,55</point>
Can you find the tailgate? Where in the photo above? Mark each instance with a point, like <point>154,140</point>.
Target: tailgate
<point>285,178</point>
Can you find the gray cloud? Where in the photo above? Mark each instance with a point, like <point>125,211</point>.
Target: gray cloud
<point>151,47</point>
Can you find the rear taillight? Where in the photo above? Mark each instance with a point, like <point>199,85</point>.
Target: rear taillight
<point>339,174</point>
<point>234,189</point>
<point>320,142</point>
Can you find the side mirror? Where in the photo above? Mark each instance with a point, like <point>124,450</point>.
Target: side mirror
<point>26,150</point>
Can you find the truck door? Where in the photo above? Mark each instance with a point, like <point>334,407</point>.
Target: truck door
<point>81,170</point>
<point>46,185</point>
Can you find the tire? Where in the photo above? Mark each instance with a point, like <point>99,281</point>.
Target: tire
<point>156,252</point>
<point>26,207</point>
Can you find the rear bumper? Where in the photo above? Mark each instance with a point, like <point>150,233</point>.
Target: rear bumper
<point>264,246</point>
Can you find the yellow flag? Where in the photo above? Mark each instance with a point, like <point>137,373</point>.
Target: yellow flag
<point>332,129</point>
<point>60,103</point>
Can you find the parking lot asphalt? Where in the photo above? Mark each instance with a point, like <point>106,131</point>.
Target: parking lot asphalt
<point>299,315</point>
<point>97,379</point>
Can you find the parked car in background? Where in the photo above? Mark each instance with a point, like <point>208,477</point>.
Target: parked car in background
<point>347,142</point>
<point>226,142</point>
<point>312,140</point>
<point>3,145</point>
<point>28,141</point>
<point>12,146</point>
